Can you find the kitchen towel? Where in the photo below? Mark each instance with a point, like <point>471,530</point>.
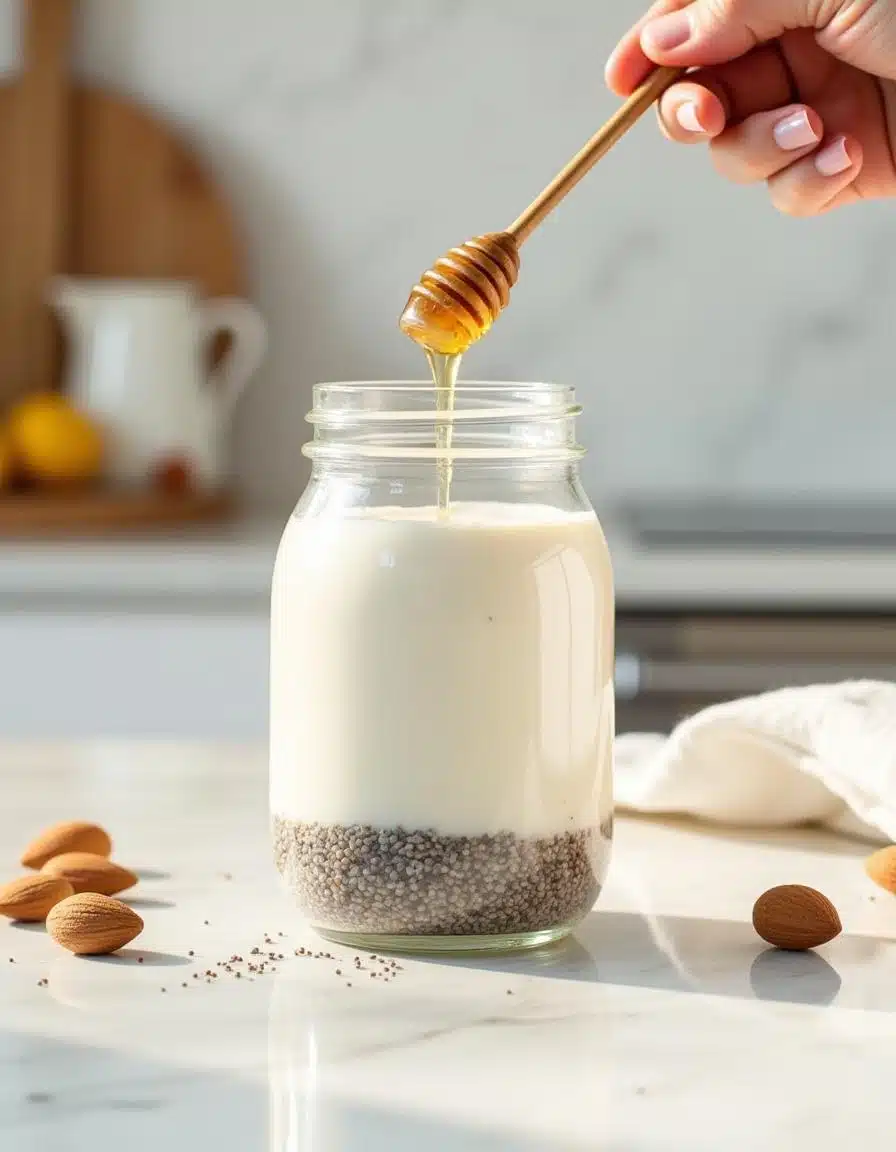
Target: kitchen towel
<point>824,754</point>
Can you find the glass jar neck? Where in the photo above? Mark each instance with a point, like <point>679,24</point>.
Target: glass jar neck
<point>480,424</point>
<point>377,445</point>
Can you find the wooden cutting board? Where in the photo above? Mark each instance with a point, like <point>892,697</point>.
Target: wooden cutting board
<point>98,513</point>
<point>92,185</point>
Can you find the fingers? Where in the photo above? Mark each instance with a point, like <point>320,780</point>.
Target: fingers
<point>786,147</point>
<point>754,83</point>
<point>691,114</point>
<point>703,23</point>
<point>814,184</point>
<point>713,31</point>
<point>764,145</point>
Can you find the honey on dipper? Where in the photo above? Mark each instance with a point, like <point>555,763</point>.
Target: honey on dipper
<point>460,297</point>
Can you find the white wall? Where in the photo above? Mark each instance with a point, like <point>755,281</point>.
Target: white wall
<point>714,343</point>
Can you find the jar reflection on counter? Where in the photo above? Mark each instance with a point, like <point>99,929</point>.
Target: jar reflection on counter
<point>441,686</point>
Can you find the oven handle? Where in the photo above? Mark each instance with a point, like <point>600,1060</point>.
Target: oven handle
<point>640,676</point>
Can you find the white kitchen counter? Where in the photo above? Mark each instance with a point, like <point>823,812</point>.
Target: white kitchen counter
<point>226,562</point>
<point>234,562</point>
<point>665,1026</point>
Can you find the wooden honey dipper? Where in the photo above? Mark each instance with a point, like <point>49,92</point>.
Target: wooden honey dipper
<point>460,297</point>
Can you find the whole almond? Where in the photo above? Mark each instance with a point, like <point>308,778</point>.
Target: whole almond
<point>795,918</point>
<point>32,897</point>
<point>72,836</point>
<point>89,873</point>
<point>90,924</point>
<point>881,867</point>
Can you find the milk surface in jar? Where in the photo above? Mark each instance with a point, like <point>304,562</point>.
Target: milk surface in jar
<point>441,685</point>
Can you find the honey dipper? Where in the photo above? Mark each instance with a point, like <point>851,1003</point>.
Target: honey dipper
<point>459,298</point>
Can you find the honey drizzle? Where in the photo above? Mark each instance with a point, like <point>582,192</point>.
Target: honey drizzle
<point>444,370</point>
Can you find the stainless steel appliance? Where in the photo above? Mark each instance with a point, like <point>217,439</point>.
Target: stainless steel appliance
<point>668,665</point>
<point>672,662</point>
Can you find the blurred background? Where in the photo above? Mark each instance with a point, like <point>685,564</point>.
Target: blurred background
<point>310,160</point>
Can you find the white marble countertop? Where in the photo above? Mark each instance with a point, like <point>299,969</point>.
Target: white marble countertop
<point>233,562</point>
<point>665,1026</point>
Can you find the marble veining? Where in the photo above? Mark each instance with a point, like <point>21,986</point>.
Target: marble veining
<point>665,1024</point>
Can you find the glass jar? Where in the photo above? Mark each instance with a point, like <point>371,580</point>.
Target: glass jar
<point>442,702</point>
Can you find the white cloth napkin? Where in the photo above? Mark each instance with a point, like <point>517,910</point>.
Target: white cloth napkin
<point>825,754</point>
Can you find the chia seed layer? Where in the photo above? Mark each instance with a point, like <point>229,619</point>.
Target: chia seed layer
<point>356,878</point>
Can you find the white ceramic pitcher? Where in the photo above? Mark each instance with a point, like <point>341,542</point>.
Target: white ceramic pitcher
<point>138,363</point>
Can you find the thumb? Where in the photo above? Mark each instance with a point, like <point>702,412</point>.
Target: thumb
<point>713,31</point>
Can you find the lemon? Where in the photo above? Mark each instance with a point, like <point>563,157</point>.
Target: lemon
<point>53,442</point>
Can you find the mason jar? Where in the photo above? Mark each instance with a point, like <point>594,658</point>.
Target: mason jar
<point>442,702</point>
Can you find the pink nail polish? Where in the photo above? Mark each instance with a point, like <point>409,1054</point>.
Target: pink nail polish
<point>688,117</point>
<point>795,131</point>
<point>833,158</point>
<point>667,32</point>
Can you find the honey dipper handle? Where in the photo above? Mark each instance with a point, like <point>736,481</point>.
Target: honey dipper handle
<point>599,144</point>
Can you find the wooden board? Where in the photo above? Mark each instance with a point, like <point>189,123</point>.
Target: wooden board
<point>143,204</point>
<point>99,513</point>
<point>93,185</point>
<point>34,153</point>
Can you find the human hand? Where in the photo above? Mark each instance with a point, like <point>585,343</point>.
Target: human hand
<point>798,93</point>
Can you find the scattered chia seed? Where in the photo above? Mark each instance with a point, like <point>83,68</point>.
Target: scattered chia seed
<point>164,989</point>
<point>184,985</point>
<point>139,959</point>
<point>205,922</point>
<point>338,971</point>
<point>362,879</point>
<point>191,953</point>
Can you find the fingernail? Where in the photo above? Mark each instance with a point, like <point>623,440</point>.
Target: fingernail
<point>667,32</point>
<point>795,131</point>
<point>833,158</point>
<point>688,117</point>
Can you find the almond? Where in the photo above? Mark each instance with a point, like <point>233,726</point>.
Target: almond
<point>794,917</point>
<point>881,867</point>
<point>89,924</point>
<point>32,897</point>
<point>72,836</point>
<point>89,873</point>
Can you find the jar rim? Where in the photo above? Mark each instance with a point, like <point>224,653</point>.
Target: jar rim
<point>536,400</point>
<point>491,420</point>
<point>399,385</point>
